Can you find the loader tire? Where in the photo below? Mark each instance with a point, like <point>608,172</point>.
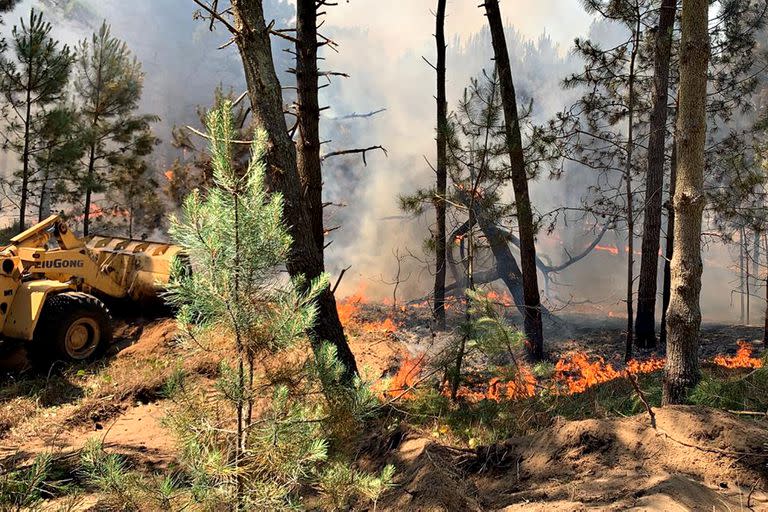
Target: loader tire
<point>73,327</point>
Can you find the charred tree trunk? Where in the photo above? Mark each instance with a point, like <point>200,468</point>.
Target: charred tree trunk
<point>308,140</point>
<point>441,170</point>
<point>645,324</point>
<point>305,259</point>
<point>629,192</point>
<point>532,313</point>
<point>506,265</point>
<point>670,246</point>
<point>684,314</point>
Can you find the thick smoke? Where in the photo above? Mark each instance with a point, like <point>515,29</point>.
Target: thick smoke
<point>381,47</point>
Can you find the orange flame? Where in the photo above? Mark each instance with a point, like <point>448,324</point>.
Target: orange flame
<point>496,389</point>
<point>503,299</point>
<point>579,373</point>
<point>406,377</point>
<point>742,359</point>
<point>608,248</point>
<point>349,314</point>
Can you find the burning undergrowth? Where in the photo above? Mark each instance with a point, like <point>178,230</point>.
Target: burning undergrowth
<point>572,374</point>
<point>422,359</point>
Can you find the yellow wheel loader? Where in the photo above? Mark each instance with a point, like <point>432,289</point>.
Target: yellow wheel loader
<point>51,282</point>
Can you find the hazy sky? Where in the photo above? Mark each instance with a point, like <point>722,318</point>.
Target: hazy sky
<point>396,25</point>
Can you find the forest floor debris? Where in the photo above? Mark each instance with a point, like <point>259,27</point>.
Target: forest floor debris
<point>697,458</point>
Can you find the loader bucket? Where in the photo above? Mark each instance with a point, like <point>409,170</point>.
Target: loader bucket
<point>143,268</point>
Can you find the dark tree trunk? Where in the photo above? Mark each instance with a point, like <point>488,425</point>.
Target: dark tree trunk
<point>265,93</point>
<point>506,265</point>
<point>645,325</point>
<point>684,314</point>
<point>441,169</point>
<point>532,314</point>
<point>26,153</point>
<point>308,142</point>
<point>630,193</point>
<point>670,245</point>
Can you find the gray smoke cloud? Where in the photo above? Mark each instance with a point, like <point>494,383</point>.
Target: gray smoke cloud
<point>381,46</point>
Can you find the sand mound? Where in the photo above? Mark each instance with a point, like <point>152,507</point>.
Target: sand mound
<point>696,459</point>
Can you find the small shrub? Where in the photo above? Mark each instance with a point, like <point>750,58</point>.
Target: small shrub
<point>25,489</point>
<point>342,487</point>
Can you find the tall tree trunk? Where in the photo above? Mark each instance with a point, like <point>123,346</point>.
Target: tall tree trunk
<point>684,314</point>
<point>441,169</point>
<point>670,245</point>
<point>629,192</point>
<point>26,153</point>
<point>645,324</point>
<point>308,141</point>
<point>532,317</point>
<point>741,275</point>
<point>755,261</point>
<point>747,273</point>
<point>266,98</point>
<point>765,320</point>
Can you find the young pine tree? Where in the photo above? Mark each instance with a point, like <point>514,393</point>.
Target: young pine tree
<point>32,82</point>
<point>109,84</point>
<point>237,244</point>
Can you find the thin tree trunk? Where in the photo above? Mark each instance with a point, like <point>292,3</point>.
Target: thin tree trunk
<point>669,251</point>
<point>645,324</point>
<point>44,209</point>
<point>88,192</point>
<point>755,261</point>
<point>741,274</point>
<point>532,316</point>
<point>26,153</point>
<point>308,141</point>
<point>629,193</point>
<point>765,320</point>
<point>747,273</point>
<point>266,98</point>
<point>441,169</point>
<point>92,152</point>
<point>461,349</point>
<point>684,314</point>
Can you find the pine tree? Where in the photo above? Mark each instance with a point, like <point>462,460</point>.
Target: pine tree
<point>57,161</point>
<point>109,85</point>
<point>237,243</point>
<point>33,81</point>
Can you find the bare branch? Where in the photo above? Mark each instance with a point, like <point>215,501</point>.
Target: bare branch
<point>216,15</point>
<point>358,151</point>
<point>355,115</point>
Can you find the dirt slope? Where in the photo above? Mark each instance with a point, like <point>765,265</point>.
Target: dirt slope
<point>696,459</point>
